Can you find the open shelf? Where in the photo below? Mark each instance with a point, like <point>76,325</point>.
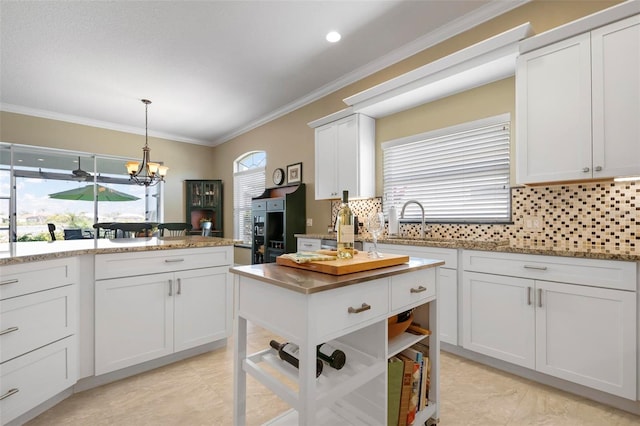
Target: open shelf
<point>340,413</point>
<point>331,385</point>
<point>403,341</point>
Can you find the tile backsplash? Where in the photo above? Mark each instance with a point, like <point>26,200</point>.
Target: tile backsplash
<point>599,217</point>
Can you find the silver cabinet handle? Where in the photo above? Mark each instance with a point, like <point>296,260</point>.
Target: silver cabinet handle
<point>598,168</point>
<point>420,289</point>
<point>8,330</point>
<point>362,308</point>
<point>173,260</point>
<point>179,286</point>
<point>307,245</point>
<point>9,393</point>
<point>529,296</point>
<point>13,281</point>
<point>170,287</point>
<point>586,170</point>
<point>539,298</point>
<point>539,268</point>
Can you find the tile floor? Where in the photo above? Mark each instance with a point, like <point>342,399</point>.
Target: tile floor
<point>198,391</point>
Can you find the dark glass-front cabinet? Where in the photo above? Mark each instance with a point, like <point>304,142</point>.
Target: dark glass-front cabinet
<point>204,201</point>
<point>278,214</point>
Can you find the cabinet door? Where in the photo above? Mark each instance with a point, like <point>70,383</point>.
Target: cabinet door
<point>194,194</point>
<point>201,304</point>
<point>347,156</point>
<point>211,191</point>
<point>133,320</point>
<point>553,112</point>
<point>587,335</point>
<point>326,167</point>
<point>448,305</point>
<point>616,98</point>
<point>498,317</point>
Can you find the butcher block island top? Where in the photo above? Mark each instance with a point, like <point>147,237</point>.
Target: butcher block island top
<point>309,281</point>
<point>359,263</point>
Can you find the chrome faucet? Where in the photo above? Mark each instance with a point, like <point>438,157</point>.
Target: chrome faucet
<point>422,233</point>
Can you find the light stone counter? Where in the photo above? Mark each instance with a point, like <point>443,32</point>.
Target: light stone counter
<point>13,253</point>
<point>504,246</point>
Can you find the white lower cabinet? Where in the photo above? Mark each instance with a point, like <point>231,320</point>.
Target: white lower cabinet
<point>141,315</point>
<point>576,332</point>
<point>447,283</point>
<point>142,318</point>
<point>38,327</point>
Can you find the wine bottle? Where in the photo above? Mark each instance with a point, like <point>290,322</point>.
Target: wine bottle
<point>289,352</point>
<point>345,237</point>
<point>332,356</point>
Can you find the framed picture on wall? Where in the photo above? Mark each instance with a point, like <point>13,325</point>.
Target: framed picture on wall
<point>294,173</point>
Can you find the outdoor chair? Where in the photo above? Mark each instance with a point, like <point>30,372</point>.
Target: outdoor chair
<point>73,234</point>
<point>107,230</point>
<point>175,229</point>
<point>52,229</point>
<point>130,230</point>
<point>206,229</point>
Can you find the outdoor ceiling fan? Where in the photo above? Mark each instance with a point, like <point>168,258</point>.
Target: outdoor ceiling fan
<point>81,174</point>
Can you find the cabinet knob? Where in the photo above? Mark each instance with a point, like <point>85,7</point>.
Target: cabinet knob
<point>586,170</point>
<point>598,168</point>
<point>362,308</point>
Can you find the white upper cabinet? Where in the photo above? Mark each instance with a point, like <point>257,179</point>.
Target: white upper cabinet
<point>577,106</point>
<point>345,158</point>
<point>615,61</point>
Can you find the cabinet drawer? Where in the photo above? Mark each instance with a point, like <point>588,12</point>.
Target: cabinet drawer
<point>407,289</point>
<point>154,262</point>
<point>594,272</point>
<point>35,320</point>
<point>259,205</point>
<point>308,244</point>
<point>273,205</point>
<point>342,308</point>
<point>31,379</point>
<point>16,280</point>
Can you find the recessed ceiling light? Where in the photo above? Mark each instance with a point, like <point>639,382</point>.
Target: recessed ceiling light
<point>40,159</point>
<point>333,37</point>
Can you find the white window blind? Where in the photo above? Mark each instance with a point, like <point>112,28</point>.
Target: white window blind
<point>459,174</point>
<point>246,185</point>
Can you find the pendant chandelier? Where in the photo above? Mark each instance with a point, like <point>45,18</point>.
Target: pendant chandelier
<point>146,173</point>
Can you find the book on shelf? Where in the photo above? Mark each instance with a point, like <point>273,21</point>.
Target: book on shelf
<point>395,372</point>
<point>410,388</point>
<point>420,350</point>
<point>418,357</point>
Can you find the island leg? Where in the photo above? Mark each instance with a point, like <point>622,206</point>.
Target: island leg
<point>239,375</point>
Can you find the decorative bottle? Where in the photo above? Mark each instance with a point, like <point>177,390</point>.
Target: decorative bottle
<point>332,356</point>
<point>289,352</point>
<point>345,237</point>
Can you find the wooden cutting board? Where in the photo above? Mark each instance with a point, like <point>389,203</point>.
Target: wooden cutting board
<point>360,262</point>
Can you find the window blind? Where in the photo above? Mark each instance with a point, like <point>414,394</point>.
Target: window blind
<point>246,185</point>
<point>459,174</point>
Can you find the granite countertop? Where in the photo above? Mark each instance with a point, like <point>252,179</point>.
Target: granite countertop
<point>309,282</point>
<point>12,253</point>
<point>503,245</point>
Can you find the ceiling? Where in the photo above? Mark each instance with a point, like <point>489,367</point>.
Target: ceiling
<point>213,69</point>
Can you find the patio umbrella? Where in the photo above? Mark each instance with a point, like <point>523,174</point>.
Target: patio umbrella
<point>85,193</point>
